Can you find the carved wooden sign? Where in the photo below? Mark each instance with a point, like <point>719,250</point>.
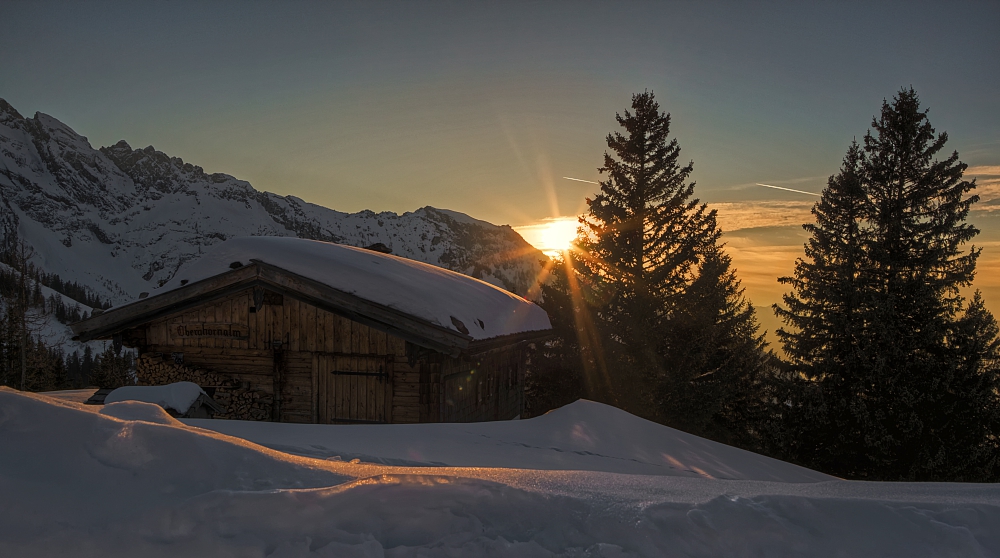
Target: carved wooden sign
<point>215,330</point>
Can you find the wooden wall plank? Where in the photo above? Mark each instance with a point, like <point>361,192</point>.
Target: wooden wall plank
<point>320,342</point>
<point>227,316</point>
<point>241,311</point>
<point>274,321</point>
<point>358,406</point>
<point>314,388</point>
<point>260,322</point>
<point>308,331</point>
<point>355,345</point>
<point>290,321</point>
<point>203,317</point>
<point>329,324</point>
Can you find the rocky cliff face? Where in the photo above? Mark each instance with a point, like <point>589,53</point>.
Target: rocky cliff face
<point>121,220</point>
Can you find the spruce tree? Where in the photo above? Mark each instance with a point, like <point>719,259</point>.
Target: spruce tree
<point>556,376</point>
<point>674,331</point>
<point>878,328</point>
<point>113,369</point>
<point>87,367</point>
<point>963,443</point>
<point>645,232</point>
<point>718,372</point>
<point>73,372</point>
<point>828,320</point>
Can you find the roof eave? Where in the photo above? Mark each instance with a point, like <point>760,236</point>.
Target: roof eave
<point>148,309</point>
<point>383,318</point>
<point>483,345</point>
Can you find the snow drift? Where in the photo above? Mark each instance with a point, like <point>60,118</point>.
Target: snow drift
<point>583,436</point>
<point>128,480</point>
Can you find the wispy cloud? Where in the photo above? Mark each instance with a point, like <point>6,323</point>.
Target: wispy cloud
<point>989,194</point>
<point>771,213</point>
<point>983,170</point>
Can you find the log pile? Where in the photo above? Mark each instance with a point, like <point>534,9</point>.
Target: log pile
<point>239,401</point>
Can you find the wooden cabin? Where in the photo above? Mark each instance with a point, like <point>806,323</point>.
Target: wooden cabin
<point>293,330</point>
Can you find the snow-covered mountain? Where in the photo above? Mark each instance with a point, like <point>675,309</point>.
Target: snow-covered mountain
<point>121,220</point>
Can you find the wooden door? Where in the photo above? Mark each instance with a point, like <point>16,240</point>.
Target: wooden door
<point>354,387</point>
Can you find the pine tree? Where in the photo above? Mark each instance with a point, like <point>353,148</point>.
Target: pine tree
<point>113,369</point>
<point>556,376</point>
<point>19,301</point>
<point>644,235</point>
<point>73,370</point>
<point>828,320</point>
<point>718,371</point>
<point>87,367</point>
<point>963,442</point>
<point>878,326</point>
<point>675,334</point>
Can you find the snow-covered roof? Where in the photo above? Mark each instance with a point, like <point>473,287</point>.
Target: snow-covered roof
<point>428,292</point>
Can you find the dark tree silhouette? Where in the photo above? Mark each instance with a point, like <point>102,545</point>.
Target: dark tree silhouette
<point>676,338</point>
<point>876,320</point>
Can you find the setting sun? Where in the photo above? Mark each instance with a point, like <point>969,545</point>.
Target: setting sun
<point>552,235</point>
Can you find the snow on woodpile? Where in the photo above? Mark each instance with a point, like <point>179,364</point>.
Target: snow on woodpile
<point>432,293</point>
<point>177,396</point>
<point>128,480</point>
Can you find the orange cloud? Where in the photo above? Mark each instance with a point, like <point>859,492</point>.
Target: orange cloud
<point>983,170</point>
<point>750,215</point>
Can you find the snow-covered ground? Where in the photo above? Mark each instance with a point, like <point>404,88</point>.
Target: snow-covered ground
<point>583,436</point>
<point>126,479</point>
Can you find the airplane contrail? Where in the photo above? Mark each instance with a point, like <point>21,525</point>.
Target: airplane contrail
<point>581,180</point>
<point>788,189</point>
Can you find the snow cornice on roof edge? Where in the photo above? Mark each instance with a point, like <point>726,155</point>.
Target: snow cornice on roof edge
<point>256,273</point>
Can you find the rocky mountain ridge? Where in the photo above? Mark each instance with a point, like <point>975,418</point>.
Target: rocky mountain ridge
<point>121,220</point>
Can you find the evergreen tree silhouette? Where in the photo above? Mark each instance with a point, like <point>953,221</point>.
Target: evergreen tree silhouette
<point>668,311</point>
<point>878,328</point>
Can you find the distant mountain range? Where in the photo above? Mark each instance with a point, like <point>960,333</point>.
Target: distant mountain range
<point>120,220</point>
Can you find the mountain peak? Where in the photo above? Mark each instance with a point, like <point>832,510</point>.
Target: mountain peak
<point>8,112</point>
<point>457,216</point>
<point>121,220</point>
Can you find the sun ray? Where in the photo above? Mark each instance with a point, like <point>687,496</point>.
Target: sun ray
<point>591,350</point>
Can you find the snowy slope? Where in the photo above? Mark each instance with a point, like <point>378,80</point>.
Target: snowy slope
<point>51,331</point>
<point>584,436</point>
<point>123,220</point>
<point>127,480</point>
<point>426,291</point>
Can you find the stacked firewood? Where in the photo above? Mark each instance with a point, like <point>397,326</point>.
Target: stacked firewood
<point>244,404</point>
<point>239,401</point>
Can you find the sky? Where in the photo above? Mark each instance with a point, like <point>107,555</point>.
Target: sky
<point>483,107</point>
